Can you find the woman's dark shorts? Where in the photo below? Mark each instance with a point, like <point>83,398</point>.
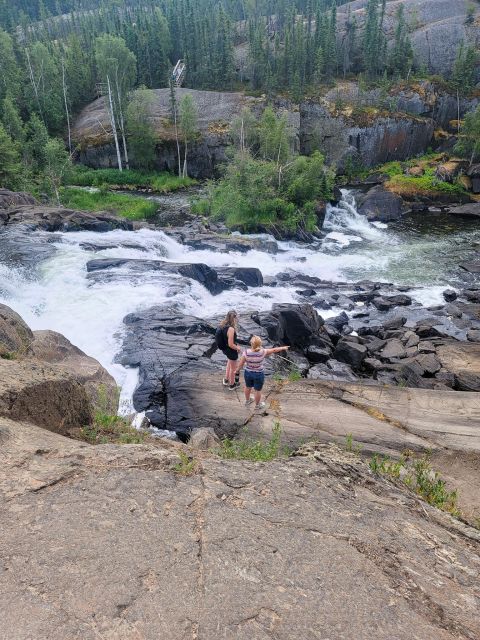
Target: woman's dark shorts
<point>254,379</point>
<point>230,353</point>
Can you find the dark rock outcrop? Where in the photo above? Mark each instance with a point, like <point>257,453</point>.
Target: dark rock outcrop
<point>45,218</point>
<point>10,199</point>
<point>213,280</point>
<point>381,204</point>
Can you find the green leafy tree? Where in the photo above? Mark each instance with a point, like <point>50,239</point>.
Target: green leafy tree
<point>140,130</point>
<point>57,166</point>
<point>11,172</point>
<point>469,142</point>
<point>188,126</point>
<point>274,137</point>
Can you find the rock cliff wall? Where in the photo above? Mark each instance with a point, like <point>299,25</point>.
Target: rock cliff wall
<point>367,126</point>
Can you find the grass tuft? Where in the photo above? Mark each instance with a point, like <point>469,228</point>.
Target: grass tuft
<point>254,450</point>
<point>421,478</point>
<point>108,428</point>
<point>187,465</point>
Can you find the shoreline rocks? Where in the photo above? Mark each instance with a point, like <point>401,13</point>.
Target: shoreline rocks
<point>47,381</point>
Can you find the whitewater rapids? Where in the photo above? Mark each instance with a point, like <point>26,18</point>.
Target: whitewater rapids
<point>58,295</point>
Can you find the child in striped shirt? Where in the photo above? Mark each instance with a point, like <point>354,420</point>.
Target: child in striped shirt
<point>254,374</point>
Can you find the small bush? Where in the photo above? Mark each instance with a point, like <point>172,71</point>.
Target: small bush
<point>254,450</point>
<point>421,478</point>
<point>132,207</point>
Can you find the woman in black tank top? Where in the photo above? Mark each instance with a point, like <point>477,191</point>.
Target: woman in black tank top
<point>231,349</point>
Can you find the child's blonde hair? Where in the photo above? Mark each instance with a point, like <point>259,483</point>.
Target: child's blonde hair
<point>256,343</point>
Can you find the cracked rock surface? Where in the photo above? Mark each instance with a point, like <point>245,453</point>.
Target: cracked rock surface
<point>109,542</point>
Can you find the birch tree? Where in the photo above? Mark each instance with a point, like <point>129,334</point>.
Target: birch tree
<point>117,68</point>
<point>188,126</point>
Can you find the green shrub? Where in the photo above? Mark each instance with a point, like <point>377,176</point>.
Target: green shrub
<point>427,184</point>
<point>133,207</point>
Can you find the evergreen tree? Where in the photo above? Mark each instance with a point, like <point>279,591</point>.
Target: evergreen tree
<point>10,166</point>
<point>464,69</point>
<point>140,130</point>
<point>37,139</point>
<point>12,121</point>
<point>469,142</point>
<point>401,54</point>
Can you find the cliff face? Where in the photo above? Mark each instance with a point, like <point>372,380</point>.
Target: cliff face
<point>437,27</point>
<point>367,126</point>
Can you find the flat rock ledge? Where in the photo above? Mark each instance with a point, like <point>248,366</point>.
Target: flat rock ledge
<point>110,542</point>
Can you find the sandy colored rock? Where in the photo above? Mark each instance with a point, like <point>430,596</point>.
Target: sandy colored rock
<point>101,388</point>
<point>15,336</point>
<point>108,542</point>
<point>48,381</point>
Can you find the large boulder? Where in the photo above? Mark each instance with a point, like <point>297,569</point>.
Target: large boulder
<point>292,324</point>
<point>470,210</point>
<point>44,218</point>
<point>15,335</point>
<point>351,353</point>
<point>56,350</point>
<point>13,198</point>
<point>47,381</point>
<point>381,204</point>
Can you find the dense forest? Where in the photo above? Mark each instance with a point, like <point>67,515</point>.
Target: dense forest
<point>58,55</point>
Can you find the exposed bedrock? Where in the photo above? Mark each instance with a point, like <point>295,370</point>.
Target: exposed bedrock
<point>390,340</point>
<point>256,550</point>
<point>215,280</point>
<point>368,129</point>
<point>45,380</point>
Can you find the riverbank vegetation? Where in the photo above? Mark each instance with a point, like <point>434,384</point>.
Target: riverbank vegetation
<point>432,175</point>
<point>267,185</point>
<point>132,207</point>
<point>128,180</point>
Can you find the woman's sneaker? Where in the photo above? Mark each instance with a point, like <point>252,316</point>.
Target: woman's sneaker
<point>234,386</point>
<point>225,382</point>
<point>260,405</point>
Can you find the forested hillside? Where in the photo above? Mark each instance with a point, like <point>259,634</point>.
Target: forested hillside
<point>57,56</point>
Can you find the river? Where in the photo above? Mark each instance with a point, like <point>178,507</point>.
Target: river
<point>420,251</point>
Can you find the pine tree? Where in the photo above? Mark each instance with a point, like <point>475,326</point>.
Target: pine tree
<point>401,54</point>
<point>12,121</point>
<point>469,141</point>
<point>464,69</point>
<point>10,167</point>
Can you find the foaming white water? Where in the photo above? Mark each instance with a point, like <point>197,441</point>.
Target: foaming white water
<point>90,311</point>
<point>345,217</point>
